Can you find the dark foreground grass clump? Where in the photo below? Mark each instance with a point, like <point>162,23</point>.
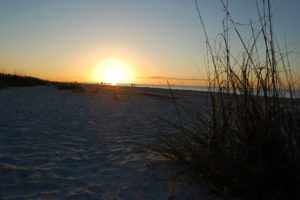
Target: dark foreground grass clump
<point>69,86</point>
<point>249,143</point>
<point>8,80</point>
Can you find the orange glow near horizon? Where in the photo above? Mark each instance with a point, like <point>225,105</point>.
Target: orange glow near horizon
<point>113,71</point>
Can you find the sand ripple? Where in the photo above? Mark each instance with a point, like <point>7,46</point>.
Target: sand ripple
<point>64,145</point>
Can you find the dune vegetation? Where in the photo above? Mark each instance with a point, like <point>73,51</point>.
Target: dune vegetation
<point>248,145</point>
<point>69,86</point>
<point>9,80</point>
<point>15,80</point>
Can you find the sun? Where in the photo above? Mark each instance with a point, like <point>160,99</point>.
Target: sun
<point>113,75</point>
<point>113,71</point>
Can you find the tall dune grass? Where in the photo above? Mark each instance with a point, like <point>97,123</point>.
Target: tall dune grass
<point>249,144</point>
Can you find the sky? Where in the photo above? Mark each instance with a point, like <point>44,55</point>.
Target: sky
<point>151,40</point>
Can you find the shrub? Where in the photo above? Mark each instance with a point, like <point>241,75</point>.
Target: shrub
<point>94,89</point>
<point>70,86</point>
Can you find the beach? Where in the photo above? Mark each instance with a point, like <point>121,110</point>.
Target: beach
<point>58,144</point>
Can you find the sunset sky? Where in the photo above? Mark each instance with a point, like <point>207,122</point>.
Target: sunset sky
<point>151,40</point>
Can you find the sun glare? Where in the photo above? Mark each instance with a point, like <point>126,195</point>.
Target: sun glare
<point>113,71</point>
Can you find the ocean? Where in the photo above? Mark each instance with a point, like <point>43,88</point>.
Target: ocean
<point>284,93</point>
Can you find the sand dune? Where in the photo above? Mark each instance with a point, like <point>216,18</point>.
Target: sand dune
<point>66,145</point>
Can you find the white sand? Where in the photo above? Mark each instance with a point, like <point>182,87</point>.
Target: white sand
<point>65,145</point>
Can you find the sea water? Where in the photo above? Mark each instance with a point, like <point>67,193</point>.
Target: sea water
<point>283,93</point>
